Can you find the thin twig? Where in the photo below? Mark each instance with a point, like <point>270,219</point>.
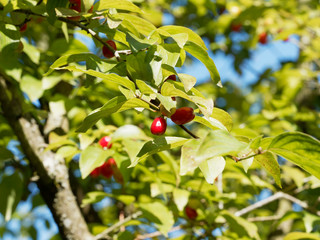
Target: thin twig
<point>271,199</point>
<point>188,131</point>
<point>104,234</point>
<point>157,233</point>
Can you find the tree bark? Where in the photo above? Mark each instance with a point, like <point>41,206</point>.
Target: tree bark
<point>53,174</point>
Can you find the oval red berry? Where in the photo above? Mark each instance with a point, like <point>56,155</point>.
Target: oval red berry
<point>183,115</point>
<point>158,126</point>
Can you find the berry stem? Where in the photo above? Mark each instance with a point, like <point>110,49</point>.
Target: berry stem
<point>189,132</point>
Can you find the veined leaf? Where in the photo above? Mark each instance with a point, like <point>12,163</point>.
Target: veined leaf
<point>108,77</point>
<point>201,54</point>
<point>116,104</point>
<point>269,162</point>
<point>217,143</point>
<point>223,117</point>
<point>300,149</point>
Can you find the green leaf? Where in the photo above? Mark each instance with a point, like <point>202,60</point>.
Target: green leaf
<point>168,88</point>
<point>301,235</point>
<point>11,188</point>
<point>115,105</point>
<point>175,30</point>
<point>137,44</point>
<point>269,162</point>
<point>51,5</point>
<point>300,149</point>
<point>201,54</point>
<point>143,26</point>
<point>91,158</point>
<point>181,198</point>
<point>117,4</point>
<point>107,77</point>
<point>158,145</point>
<point>223,117</point>
<point>212,168</point>
<point>241,226</point>
<point>162,217</point>
<point>32,52</point>
<point>187,80</point>
<point>217,143</point>
<point>32,87</point>
<point>145,88</point>
<point>138,67</point>
<point>210,122</point>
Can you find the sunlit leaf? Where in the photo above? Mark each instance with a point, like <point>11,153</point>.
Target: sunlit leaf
<point>300,149</point>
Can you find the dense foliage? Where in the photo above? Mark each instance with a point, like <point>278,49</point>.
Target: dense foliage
<point>175,159</point>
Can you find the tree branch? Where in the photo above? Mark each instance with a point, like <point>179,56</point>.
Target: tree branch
<point>270,199</point>
<point>104,234</point>
<point>53,174</point>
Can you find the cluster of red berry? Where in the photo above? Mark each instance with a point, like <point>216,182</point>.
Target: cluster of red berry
<point>180,116</point>
<point>109,168</point>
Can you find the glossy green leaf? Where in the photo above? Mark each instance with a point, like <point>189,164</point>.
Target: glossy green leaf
<point>129,132</point>
<point>269,162</point>
<point>300,149</point>
<point>159,144</point>
<point>192,36</point>
<point>162,217</point>
<point>11,188</point>
<point>201,54</point>
<point>117,104</point>
<point>91,158</point>
<point>107,77</point>
<point>117,4</point>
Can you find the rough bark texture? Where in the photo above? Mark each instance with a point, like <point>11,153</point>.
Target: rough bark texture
<point>53,174</point>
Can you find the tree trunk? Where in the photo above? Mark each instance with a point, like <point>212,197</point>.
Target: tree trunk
<point>53,174</point>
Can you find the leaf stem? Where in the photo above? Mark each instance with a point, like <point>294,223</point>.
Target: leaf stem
<point>188,131</point>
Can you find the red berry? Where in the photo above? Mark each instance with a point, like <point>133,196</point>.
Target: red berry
<point>183,115</point>
<point>191,213</point>
<point>106,169</point>
<point>172,77</point>
<point>23,27</point>
<point>158,126</point>
<point>263,38</point>
<point>105,142</point>
<point>236,27</point>
<point>95,173</point>
<point>106,51</point>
